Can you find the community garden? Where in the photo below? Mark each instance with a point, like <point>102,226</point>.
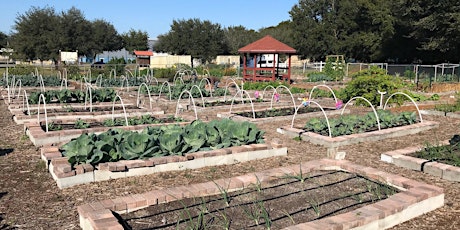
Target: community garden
<point>183,152</point>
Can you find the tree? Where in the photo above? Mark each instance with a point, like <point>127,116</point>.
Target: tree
<point>200,39</point>
<point>104,37</point>
<point>434,26</point>
<point>356,29</point>
<point>135,40</point>
<point>3,40</point>
<point>237,37</point>
<point>35,34</point>
<point>75,32</point>
<point>282,32</point>
<point>40,33</point>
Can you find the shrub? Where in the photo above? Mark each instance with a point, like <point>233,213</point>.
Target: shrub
<point>165,73</point>
<point>319,76</point>
<point>21,70</point>
<point>334,68</point>
<point>367,83</point>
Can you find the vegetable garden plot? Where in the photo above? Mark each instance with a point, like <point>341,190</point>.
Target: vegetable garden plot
<point>278,204</point>
<point>74,112</point>
<point>329,187</point>
<point>440,159</point>
<point>353,129</point>
<point>119,153</point>
<point>59,131</point>
<point>279,113</point>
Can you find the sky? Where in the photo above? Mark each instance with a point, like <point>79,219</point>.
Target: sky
<point>156,16</point>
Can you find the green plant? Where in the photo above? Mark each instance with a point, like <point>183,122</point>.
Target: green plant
<point>289,216</point>
<point>224,193</point>
<point>316,206</point>
<point>195,223</point>
<point>448,154</point>
<point>81,124</point>
<point>265,215</point>
<point>54,127</point>
<point>334,68</point>
<point>367,83</point>
<point>253,212</point>
<point>155,141</point>
<point>350,124</point>
<point>299,176</point>
<point>80,150</point>
<point>319,76</point>
<point>409,74</point>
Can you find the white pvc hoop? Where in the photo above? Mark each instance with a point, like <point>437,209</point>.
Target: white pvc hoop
<point>373,109</point>
<point>124,110</point>
<point>322,110</point>
<point>38,113</point>
<point>89,88</point>
<point>282,86</point>
<point>228,84</point>
<point>161,89</point>
<point>138,94</point>
<point>193,103</point>
<point>201,93</point>
<point>410,98</point>
<point>316,86</point>
<point>250,100</point>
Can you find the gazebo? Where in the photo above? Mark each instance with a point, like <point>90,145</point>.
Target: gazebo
<point>143,57</point>
<point>261,60</point>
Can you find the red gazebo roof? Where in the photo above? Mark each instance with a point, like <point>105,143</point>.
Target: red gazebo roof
<point>143,53</point>
<point>267,44</point>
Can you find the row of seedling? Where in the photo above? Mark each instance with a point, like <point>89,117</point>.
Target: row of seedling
<point>283,202</point>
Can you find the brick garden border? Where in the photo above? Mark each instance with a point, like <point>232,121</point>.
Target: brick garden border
<point>335,142</point>
<point>440,113</point>
<point>236,117</point>
<point>399,157</point>
<point>40,137</point>
<point>66,176</point>
<point>416,198</point>
<point>20,118</point>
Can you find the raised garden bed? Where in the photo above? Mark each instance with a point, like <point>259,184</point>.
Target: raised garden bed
<point>39,137</point>
<point>441,113</point>
<point>352,129</point>
<point>99,112</point>
<point>413,199</point>
<point>418,158</point>
<point>66,176</point>
<point>279,113</point>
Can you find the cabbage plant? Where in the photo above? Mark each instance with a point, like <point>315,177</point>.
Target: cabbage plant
<point>117,144</point>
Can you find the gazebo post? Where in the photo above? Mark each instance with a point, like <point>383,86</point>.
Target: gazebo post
<point>255,67</point>
<point>289,69</point>
<point>274,68</point>
<point>244,66</point>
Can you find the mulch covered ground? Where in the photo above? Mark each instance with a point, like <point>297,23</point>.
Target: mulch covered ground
<point>30,199</point>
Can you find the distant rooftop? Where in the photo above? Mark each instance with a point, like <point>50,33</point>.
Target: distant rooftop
<point>143,53</point>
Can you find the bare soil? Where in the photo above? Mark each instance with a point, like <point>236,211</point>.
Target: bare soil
<point>30,199</point>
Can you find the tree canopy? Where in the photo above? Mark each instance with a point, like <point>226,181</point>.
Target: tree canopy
<point>363,30</point>
<point>378,30</point>
<point>41,33</point>
<point>200,39</point>
<point>3,40</point>
<point>354,28</point>
<point>135,40</point>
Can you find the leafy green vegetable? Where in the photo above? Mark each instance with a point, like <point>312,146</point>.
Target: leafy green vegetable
<point>117,144</point>
<point>350,124</point>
